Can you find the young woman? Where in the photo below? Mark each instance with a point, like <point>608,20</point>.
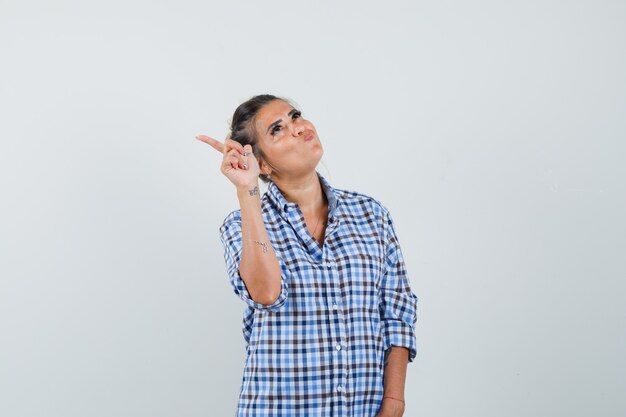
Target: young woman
<point>330,316</point>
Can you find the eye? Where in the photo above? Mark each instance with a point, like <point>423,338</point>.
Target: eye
<point>274,130</point>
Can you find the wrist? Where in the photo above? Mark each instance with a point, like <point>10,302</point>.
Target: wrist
<point>391,407</point>
<point>395,398</point>
<point>248,190</point>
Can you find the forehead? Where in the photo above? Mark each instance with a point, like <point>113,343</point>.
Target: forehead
<point>272,111</point>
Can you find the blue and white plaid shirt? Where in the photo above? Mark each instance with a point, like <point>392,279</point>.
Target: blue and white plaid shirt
<point>318,350</point>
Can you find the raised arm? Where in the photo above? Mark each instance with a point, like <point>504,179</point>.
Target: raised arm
<point>259,267</point>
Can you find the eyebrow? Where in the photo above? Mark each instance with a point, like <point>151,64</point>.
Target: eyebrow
<point>280,120</point>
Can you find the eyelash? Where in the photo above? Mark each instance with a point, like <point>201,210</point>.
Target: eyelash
<point>273,131</point>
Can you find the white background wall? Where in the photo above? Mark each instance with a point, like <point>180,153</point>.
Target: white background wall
<point>494,132</point>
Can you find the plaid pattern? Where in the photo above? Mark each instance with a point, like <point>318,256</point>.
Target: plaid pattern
<point>318,350</point>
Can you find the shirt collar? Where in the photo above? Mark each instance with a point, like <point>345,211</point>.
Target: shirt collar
<point>284,206</point>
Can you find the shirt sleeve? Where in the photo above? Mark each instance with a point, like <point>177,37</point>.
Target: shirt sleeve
<point>398,304</point>
<point>230,235</point>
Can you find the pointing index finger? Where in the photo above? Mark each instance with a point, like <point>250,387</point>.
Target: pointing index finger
<point>216,144</point>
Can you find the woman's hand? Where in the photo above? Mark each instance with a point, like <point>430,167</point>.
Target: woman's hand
<point>239,165</point>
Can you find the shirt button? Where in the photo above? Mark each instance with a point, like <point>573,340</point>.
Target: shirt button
<point>339,388</point>
<point>335,306</point>
<point>338,347</point>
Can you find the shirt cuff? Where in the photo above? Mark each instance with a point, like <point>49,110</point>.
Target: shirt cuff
<point>400,331</point>
<point>240,289</point>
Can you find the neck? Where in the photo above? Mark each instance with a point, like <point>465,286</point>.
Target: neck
<point>306,192</point>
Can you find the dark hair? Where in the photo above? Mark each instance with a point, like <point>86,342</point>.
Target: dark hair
<point>242,125</point>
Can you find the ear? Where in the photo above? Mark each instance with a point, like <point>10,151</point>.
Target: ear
<point>264,167</point>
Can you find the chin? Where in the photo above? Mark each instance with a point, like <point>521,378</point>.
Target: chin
<point>319,148</point>
<point>318,156</point>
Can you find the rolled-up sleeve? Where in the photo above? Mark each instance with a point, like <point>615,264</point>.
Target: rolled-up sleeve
<point>230,235</point>
<point>397,302</point>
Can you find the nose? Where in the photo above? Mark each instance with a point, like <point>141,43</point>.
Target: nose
<point>298,128</point>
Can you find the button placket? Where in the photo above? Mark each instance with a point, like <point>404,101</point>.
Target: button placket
<point>340,359</point>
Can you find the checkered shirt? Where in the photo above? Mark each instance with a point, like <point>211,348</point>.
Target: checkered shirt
<point>318,350</point>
